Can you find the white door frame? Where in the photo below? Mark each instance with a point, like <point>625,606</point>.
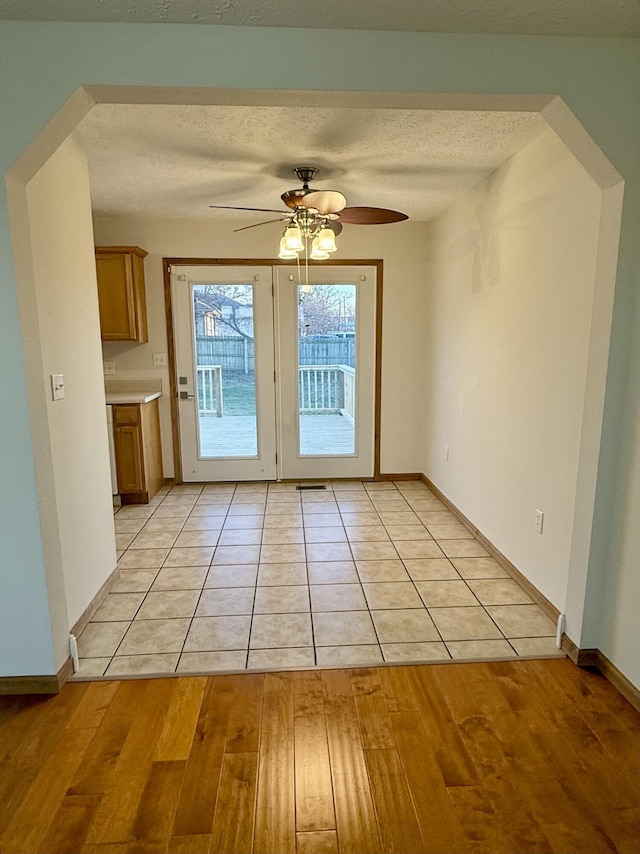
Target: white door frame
<point>169,262</point>
<point>261,465</point>
<point>292,464</point>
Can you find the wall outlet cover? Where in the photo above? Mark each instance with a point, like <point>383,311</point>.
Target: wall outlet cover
<point>57,386</point>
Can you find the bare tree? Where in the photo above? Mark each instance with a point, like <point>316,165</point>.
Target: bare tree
<point>323,310</point>
<point>231,306</point>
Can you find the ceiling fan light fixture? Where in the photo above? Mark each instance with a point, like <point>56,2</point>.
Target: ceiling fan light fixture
<point>286,254</point>
<point>327,240</point>
<point>317,253</point>
<point>293,238</point>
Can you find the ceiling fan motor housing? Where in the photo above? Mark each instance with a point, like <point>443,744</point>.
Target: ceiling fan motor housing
<point>291,198</point>
<point>306,174</point>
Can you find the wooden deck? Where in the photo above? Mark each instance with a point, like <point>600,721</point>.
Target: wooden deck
<point>235,435</point>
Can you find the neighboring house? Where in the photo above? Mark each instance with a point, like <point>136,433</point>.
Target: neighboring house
<point>221,316</point>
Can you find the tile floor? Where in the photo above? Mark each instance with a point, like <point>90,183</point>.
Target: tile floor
<point>226,577</point>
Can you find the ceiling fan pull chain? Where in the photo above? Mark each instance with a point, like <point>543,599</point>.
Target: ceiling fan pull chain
<point>306,262</point>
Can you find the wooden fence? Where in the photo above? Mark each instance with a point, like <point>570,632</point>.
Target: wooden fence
<point>236,354</point>
<point>231,354</point>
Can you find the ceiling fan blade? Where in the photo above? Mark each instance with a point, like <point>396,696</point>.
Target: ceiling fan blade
<point>260,210</point>
<point>256,224</point>
<point>324,201</point>
<point>335,226</point>
<point>370,216</point>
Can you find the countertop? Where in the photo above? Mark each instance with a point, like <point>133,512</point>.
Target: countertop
<point>131,396</point>
<point>132,389</point>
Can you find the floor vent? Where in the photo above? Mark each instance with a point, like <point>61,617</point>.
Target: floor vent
<point>306,486</point>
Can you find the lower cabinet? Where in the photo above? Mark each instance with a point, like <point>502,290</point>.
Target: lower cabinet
<point>136,430</point>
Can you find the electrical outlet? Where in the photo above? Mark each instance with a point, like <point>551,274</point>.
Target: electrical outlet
<point>539,521</point>
<point>108,367</point>
<point>159,360</point>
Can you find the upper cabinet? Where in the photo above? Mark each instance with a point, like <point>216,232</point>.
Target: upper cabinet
<point>121,295</point>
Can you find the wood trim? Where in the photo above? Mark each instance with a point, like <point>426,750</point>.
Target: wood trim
<point>377,405</point>
<point>587,657</point>
<point>83,620</point>
<point>135,498</point>
<point>595,658</point>
<point>571,649</point>
<point>167,263</point>
<point>65,673</point>
<point>549,609</point>
<point>171,361</point>
<point>618,679</point>
<point>270,262</point>
<point>406,475</point>
<point>122,250</point>
<point>29,685</point>
<point>51,684</point>
<point>580,657</point>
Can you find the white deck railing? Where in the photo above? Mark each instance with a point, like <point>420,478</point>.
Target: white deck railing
<point>322,389</point>
<point>209,386</point>
<point>326,389</point>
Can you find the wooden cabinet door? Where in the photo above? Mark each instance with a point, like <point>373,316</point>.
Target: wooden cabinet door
<point>116,297</point>
<point>129,458</point>
<point>121,293</point>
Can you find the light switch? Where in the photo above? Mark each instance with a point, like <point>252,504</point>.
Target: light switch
<point>57,386</point>
<point>159,360</point>
<point>108,367</point>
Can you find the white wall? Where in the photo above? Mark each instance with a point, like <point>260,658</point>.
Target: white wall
<point>619,621</point>
<point>510,288</point>
<point>400,245</point>
<point>612,612</point>
<point>59,211</point>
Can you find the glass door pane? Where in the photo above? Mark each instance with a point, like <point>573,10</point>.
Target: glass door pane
<point>327,369</point>
<point>225,370</point>
<point>223,325</point>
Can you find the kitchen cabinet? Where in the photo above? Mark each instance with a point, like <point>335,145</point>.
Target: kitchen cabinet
<point>121,293</point>
<point>136,433</point>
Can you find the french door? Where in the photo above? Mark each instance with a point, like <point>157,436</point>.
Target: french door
<point>275,379</point>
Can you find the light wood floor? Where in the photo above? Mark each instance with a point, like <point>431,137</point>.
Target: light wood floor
<point>504,758</point>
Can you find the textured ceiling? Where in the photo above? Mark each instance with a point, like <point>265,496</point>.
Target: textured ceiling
<point>176,160</point>
<point>527,17</point>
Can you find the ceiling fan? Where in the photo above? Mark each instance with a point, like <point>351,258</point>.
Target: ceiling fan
<point>313,214</point>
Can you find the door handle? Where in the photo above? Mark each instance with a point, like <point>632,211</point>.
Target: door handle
<point>184,395</point>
